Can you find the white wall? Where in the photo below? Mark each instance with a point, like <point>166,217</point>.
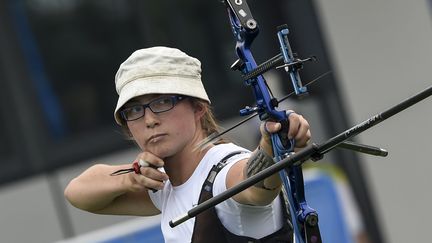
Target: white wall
<point>382,51</point>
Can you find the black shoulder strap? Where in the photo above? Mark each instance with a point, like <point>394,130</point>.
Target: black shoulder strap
<point>208,184</point>
<point>205,230</point>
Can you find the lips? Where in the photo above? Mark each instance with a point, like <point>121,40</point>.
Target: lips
<point>155,138</point>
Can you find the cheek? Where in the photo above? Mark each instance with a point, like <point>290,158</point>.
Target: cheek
<point>133,129</point>
<point>137,134</point>
<point>185,126</point>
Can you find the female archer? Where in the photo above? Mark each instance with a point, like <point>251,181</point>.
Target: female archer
<point>164,107</point>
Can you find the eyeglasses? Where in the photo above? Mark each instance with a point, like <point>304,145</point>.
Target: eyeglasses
<point>158,105</point>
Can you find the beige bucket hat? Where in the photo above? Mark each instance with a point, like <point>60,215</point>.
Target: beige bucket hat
<point>158,70</point>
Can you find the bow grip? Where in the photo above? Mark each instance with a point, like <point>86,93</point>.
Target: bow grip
<point>280,142</point>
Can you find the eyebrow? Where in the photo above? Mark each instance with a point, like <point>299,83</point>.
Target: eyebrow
<point>131,104</point>
<point>136,100</point>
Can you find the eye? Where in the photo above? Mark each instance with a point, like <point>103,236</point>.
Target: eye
<point>135,109</point>
<point>161,105</point>
<point>163,101</point>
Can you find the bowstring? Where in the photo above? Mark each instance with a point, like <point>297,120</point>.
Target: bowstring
<point>216,135</point>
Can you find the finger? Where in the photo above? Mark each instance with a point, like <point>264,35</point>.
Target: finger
<point>303,128</point>
<point>294,125</point>
<point>149,159</point>
<point>143,183</point>
<point>153,173</point>
<point>143,163</point>
<point>272,127</point>
<point>137,187</point>
<point>304,140</point>
<point>147,182</point>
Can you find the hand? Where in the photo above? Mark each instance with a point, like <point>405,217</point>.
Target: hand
<point>150,177</point>
<point>299,129</point>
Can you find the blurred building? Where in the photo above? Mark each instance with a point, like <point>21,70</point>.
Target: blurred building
<point>58,59</point>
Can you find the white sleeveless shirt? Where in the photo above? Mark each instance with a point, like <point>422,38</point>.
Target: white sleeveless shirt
<point>244,220</point>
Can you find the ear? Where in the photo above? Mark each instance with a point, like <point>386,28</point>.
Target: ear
<point>199,110</point>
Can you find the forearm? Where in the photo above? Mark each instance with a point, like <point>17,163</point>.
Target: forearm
<point>265,191</point>
<point>95,189</point>
<point>262,193</point>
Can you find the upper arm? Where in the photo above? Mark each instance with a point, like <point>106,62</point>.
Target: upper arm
<point>234,176</point>
<point>132,203</point>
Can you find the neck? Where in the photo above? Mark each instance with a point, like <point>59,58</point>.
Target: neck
<point>181,166</point>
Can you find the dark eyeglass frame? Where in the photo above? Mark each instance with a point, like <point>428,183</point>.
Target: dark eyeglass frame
<point>173,98</point>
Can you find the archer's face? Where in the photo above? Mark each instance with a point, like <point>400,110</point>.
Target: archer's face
<point>166,133</point>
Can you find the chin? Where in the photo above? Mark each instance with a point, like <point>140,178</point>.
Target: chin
<point>160,152</point>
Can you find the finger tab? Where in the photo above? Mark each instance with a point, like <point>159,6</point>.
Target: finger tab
<point>136,167</point>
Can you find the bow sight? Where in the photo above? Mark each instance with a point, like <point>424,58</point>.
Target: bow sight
<point>245,29</point>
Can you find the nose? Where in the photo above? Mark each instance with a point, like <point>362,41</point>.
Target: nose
<point>151,119</point>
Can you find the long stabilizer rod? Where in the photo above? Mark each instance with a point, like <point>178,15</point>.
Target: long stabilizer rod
<point>312,151</point>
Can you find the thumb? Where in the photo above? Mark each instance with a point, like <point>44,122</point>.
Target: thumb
<point>267,128</point>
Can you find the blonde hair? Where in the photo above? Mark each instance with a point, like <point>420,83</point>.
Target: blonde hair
<point>209,123</point>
